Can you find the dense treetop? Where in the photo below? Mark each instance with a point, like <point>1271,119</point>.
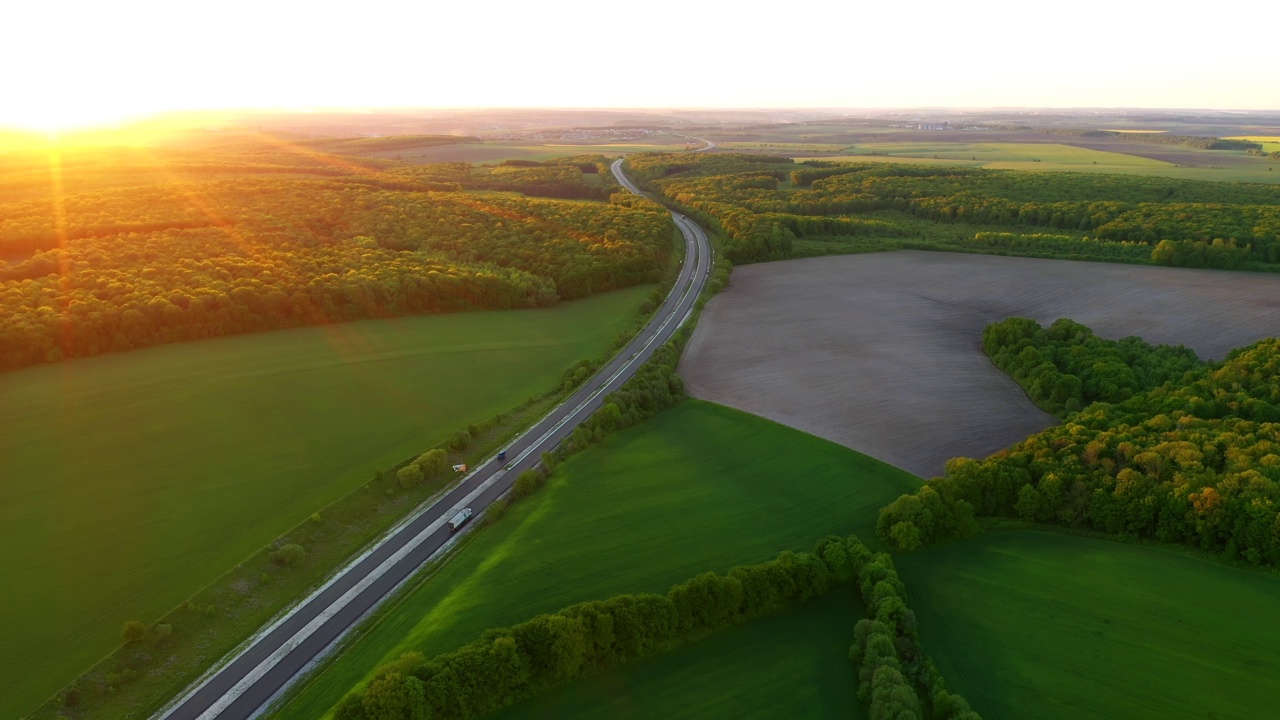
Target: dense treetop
<point>187,246</point>
<point>1065,367</point>
<point>1193,460</point>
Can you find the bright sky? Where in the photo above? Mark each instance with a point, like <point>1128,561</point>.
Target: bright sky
<point>74,62</point>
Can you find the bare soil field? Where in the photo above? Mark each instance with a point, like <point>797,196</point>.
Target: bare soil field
<point>882,352</point>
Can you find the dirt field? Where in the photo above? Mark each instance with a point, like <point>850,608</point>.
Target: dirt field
<point>881,352</point>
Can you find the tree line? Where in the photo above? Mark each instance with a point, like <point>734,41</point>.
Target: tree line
<point>1194,461</point>
<point>1173,222</point>
<point>506,665</point>
<point>895,675</point>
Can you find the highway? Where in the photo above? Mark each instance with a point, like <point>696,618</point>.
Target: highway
<point>286,647</point>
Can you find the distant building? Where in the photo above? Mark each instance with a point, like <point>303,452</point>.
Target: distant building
<point>934,126</point>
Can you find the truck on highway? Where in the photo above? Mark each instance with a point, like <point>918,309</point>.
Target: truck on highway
<point>459,520</point>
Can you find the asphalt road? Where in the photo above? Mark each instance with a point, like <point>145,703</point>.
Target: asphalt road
<point>284,649</point>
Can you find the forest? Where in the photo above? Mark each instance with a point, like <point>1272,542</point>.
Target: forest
<point>1190,457</point>
<point>1065,367</point>
<point>763,204</point>
<point>159,248</point>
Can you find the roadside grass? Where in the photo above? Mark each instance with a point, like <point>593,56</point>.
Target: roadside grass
<point>794,664</point>
<point>133,480</point>
<point>698,487</point>
<point>1042,625</point>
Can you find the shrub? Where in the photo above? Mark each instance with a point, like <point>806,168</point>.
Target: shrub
<point>526,483</point>
<point>289,555</point>
<point>459,441</point>
<point>133,631</point>
<point>432,462</point>
<point>409,476</point>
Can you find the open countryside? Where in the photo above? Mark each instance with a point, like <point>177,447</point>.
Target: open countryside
<point>124,466</point>
<point>699,487</point>
<point>395,412</point>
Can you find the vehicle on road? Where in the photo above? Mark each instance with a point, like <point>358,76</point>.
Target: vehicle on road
<point>292,644</point>
<point>459,520</point>
<point>502,455</point>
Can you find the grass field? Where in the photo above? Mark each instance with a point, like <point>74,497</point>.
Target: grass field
<point>791,665</point>
<point>1010,156</point>
<point>1045,157</point>
<point>786,148</point>
<point>131,480</point>
<point>1040,625</point>
<point>699,487</point>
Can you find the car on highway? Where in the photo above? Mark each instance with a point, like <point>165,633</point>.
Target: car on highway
<point>457,521</point>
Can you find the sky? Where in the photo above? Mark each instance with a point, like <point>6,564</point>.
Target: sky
<point>72,63</point>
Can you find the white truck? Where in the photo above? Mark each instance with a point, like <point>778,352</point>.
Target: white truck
<point>459,520</point>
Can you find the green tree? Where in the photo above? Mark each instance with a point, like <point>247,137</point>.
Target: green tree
<point>409,476</point>
<point>1030,505</point>
<point>905,536</point>
<point>459,441</point>
<point>133,632</point>
<point>526,483</point>
<point>432,462</point>
<point>289,555</point>
<point>388,698</point>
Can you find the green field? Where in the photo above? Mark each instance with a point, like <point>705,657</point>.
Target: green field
<point>1008,156</point>
<point>1041,625</point>
<point>795,664</point>
<point>131,480</point>
<point>699,487</point>
<point>1047,157</point>
<point>786,148</point>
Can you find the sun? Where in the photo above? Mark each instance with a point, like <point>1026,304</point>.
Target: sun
<point>60,116</point>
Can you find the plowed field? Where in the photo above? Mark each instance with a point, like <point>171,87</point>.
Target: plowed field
<point>881,352</point>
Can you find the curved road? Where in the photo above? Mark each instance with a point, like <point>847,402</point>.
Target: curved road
<point>285,648</point>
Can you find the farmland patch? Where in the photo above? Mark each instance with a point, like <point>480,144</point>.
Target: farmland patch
<point>698,487</point>
<point>881,352</point>
<point>131,480</point>
<point>1041,625</point>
